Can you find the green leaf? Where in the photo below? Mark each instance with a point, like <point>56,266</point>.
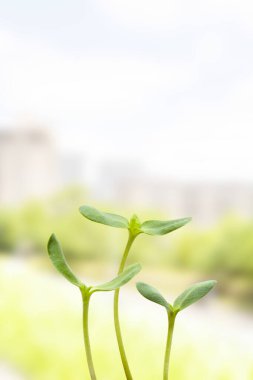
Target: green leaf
<point>58,259</point>
<point>193,294</point>
<point>104,217</point>
<point>152,294</point>
<point>159,227</point>
<point>118,281</point>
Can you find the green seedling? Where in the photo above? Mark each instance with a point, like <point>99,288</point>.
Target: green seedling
<point>58,259</point>
<point>135,228</point>
<point>185,299</point>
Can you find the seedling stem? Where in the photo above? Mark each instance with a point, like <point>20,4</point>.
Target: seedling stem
<point>86,301</point>
<point>116,310</point>
<point>171,323</point>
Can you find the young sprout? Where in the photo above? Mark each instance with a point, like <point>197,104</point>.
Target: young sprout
<point>58,259</point>
<point>135,228</point>
<point>185,299</point>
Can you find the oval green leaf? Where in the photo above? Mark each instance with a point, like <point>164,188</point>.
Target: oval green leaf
<point>104,217</point>
<point>58,259</point>
<point>193,294</point>
<point>118,281</point>
<point>152,294</point>
<point>159,227</point>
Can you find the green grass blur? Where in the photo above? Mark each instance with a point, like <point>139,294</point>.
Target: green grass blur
<point>224,250</point>
<point>41,334</point>
<point>40,313</point>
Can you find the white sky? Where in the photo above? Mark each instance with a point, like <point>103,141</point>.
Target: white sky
<point>166,83</point>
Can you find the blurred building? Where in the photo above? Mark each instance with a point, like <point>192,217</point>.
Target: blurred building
<point>71,169</point>
<point>32,167</point>
<point>28,164</point>
<point>205,201</point>
<point>119,180</point>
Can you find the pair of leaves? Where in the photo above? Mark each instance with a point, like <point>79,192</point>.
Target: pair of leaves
<point>150,227</point>
<point>191,295</point>
<point>58,259</point>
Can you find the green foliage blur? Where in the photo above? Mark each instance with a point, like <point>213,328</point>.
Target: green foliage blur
<point>41,313</point>
<point>224,250</point>
<point>41,335</point>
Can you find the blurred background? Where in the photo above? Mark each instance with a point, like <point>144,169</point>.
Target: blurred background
<point>132,107</point>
